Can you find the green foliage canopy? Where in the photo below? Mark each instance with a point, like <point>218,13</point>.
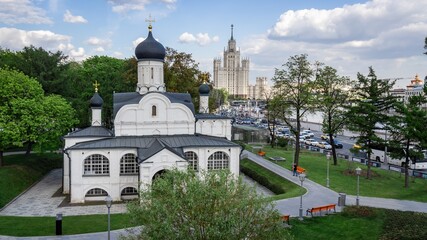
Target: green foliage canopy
<point>212,206</point>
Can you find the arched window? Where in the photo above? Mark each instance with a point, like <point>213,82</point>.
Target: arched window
<point>128,164</point>
<point>218,160</point>
<point>96,164</point>
<point>153,110</point>
<point>129,191</point>
<point>193,161</point>
<point>96,192</point>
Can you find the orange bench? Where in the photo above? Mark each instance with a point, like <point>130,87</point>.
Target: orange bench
<point>326,208</point>
<point>285,219</point>
<point>261,153</point>
<point>300,170</point>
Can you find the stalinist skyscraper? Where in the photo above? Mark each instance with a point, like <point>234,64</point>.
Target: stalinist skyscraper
<point>234,74</point>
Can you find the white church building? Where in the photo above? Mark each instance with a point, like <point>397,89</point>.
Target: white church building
<point>154,130</point>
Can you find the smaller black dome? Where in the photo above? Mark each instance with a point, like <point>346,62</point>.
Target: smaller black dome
<point>204,89</point>
<point>96,100</point>
<point>150,49</point>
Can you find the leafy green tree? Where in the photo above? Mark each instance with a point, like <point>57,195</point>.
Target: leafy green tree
<point>274,112</point>
<point>34,117</point>
<point>182,74</point>
<point>333,93</point>
<point>425,44</point>
<point>368,112</point>
<point>295,86</point>
<point>215,205</point>
<point>16,90</point>
<point>217,98</point>
<point>45,66</point>
<point>408,135</point>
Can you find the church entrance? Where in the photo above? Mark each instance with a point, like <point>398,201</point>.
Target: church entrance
<point>158,174</point>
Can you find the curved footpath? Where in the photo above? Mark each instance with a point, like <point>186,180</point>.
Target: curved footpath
<point>41,200</point>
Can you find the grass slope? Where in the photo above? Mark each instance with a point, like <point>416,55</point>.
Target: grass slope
<point>19,172</point>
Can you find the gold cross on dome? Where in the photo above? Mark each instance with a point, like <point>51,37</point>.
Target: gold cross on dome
<point>96,85</point>
<point>150,20</point>
<point>205,77</point>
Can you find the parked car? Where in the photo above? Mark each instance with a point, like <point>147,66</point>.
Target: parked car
<point>336,143</point>
<point>314,143</point>
<point>324,145</point>
<point>308,141</point>
<point>308,132</point>
<point>324,137</point>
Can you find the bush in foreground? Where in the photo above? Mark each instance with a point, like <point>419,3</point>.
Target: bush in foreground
<point>183,205</point>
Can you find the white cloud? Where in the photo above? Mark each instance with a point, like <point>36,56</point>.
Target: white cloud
<point>22,11</point>
<point>123,6</point>
<point>201,38</point>
<point>17,39</point>
<point>99,49</point>
<point>94,41</point>
<point>70,18</point>
<point>137,41</point>
<point>386,34</point>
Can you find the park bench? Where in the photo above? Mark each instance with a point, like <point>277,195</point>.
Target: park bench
<point>285,219</point>
<point>325,208</point>
<point>261,153</point>
<point>300,170</point>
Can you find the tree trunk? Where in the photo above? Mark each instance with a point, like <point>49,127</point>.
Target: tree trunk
<point>29,147</point>
<point>407,172</point>
<point>297,144</point>
<point>334,151</point>
<point>368,172</point>
<point>1,158</point>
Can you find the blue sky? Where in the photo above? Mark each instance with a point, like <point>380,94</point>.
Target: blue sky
<point>348,35</point>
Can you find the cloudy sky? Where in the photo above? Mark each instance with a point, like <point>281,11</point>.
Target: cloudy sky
<point>348,35</point>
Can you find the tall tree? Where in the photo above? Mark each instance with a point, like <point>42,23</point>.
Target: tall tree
<point>217,98</point>
<point>274,113</point>
<point>294,86</point>
<point>182,73</point>
<point>408,135</point>
<point>368,112</point>
<point>333,94</point>
<point>212,206</point>
<point>425,44</point>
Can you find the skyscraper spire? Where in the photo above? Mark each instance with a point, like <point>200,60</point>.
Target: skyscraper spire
<point>232,31</point>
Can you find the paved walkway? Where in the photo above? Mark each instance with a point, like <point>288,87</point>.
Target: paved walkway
<point>39,201</point>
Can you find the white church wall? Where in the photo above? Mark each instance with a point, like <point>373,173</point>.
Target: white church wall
<point>203,155</point>
<point>163,160</point>
<point>139,119</point>
<point>66,161</point>
<point>214,127</point>
<point>112,183</point>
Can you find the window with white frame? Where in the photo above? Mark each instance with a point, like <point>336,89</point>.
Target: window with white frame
<point>96,164</point>
<point>128,164</point>
<point>96,192</point>
<point>218,160</point>
<point>193,161</point>
<point>129,191</point>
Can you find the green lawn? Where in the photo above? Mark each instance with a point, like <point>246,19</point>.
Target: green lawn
<point>45,226</point>
<point>19,172</point>
<point>384,184</point>
<point>362,223</point>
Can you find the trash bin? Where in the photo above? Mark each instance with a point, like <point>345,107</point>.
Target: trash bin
<point>341,199</point>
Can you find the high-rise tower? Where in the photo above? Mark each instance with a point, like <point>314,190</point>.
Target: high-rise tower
<point>234,74</point>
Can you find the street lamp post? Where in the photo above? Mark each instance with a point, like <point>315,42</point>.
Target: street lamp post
<point>108,202</point>
<point>301,178</point>
<point>328,156</point>
<point>358,172</point>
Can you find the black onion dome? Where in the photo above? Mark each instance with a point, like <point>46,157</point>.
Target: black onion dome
<point>204,89</point>
<point>96,100</point>
<point>150,49</point>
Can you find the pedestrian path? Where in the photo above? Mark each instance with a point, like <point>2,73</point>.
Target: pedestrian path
<point>40,201</point>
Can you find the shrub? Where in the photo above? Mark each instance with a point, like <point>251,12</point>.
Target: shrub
<point>404,225</point>
<point>359,211</point>
<point>277,189</point>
